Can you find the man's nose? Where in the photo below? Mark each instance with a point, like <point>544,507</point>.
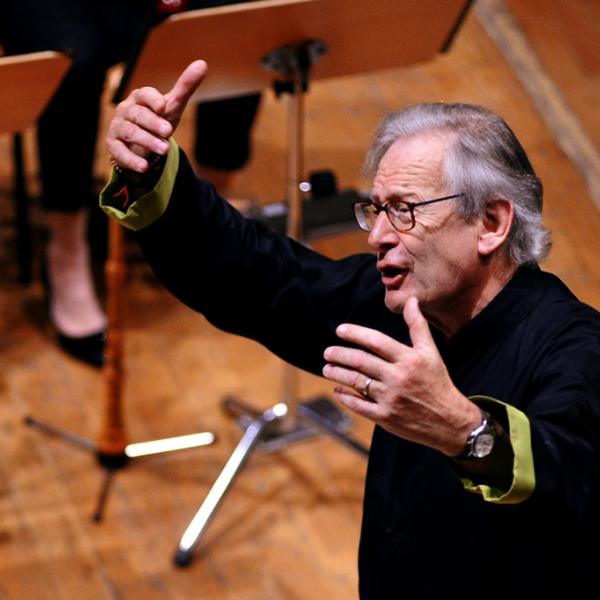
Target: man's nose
<point>383,233</point>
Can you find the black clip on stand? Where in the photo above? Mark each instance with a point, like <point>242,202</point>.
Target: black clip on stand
<point>277,427</point>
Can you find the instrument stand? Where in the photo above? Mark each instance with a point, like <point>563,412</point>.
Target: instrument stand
<point>111,462</point>
<point>279,426</point>
<point>112,450</point>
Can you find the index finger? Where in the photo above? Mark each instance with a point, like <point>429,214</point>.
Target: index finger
<point>378,343</point>
<point>418,328</point>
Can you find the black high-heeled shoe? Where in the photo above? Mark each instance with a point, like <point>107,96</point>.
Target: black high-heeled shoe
<point>89,348</point>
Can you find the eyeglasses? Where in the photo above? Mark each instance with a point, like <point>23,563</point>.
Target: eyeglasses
<point>400,213</point>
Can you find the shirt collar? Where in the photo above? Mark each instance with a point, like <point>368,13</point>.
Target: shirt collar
<point>506,310</point>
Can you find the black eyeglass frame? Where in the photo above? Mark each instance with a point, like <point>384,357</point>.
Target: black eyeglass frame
<point>384,207</point>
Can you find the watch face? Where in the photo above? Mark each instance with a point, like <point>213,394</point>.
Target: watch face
<point>483,444</point>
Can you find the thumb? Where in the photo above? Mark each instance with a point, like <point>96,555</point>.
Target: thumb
<point>418,328</point>
<point>177,98</point>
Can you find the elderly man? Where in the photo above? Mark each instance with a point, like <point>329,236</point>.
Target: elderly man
<point>481,372</point>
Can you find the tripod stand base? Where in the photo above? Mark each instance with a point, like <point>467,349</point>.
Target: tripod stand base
<point>112,462</point>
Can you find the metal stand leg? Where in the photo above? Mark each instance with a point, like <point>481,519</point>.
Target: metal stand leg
<point>103,496</point>
<point>21,197</point>
<point>252,436</point>
<point>72,438</point>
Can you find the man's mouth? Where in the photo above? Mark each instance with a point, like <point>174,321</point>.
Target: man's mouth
<point>392,276</point>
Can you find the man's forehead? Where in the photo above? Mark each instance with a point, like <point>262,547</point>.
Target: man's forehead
<point>412,160</point>
<point>419,147</point>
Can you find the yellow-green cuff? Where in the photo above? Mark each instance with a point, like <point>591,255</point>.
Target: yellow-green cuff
<point>523,482</point>
<point>146,209</point>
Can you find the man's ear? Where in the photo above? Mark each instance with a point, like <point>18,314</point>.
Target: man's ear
<point>495,226</point>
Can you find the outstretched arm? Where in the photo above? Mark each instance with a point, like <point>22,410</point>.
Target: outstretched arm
<point>241,276</point>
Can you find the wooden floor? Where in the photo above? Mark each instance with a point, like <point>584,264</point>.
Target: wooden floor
<point>289,528</point>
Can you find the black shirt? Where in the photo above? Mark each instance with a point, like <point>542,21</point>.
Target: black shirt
<point>535,347</point>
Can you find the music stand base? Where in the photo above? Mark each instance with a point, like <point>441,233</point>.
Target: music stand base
<point>274,429</point>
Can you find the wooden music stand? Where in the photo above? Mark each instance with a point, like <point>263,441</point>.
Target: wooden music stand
<point>27,82</point>
<point>284,44</point>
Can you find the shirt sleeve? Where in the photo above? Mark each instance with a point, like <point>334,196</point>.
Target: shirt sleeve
<point>523,473</point>
<point>118,198</point>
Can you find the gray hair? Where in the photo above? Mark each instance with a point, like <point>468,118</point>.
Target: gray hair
<point>485,161</point>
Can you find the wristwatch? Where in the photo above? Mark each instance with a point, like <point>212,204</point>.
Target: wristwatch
<point>480,441</point>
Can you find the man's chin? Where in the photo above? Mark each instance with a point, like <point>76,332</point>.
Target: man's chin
<point>395,301</point>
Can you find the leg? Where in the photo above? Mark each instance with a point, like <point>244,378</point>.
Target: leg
<point>74,307</point>
<point>223,129</point>
<point>96,36</point>
<point>67,193</point>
